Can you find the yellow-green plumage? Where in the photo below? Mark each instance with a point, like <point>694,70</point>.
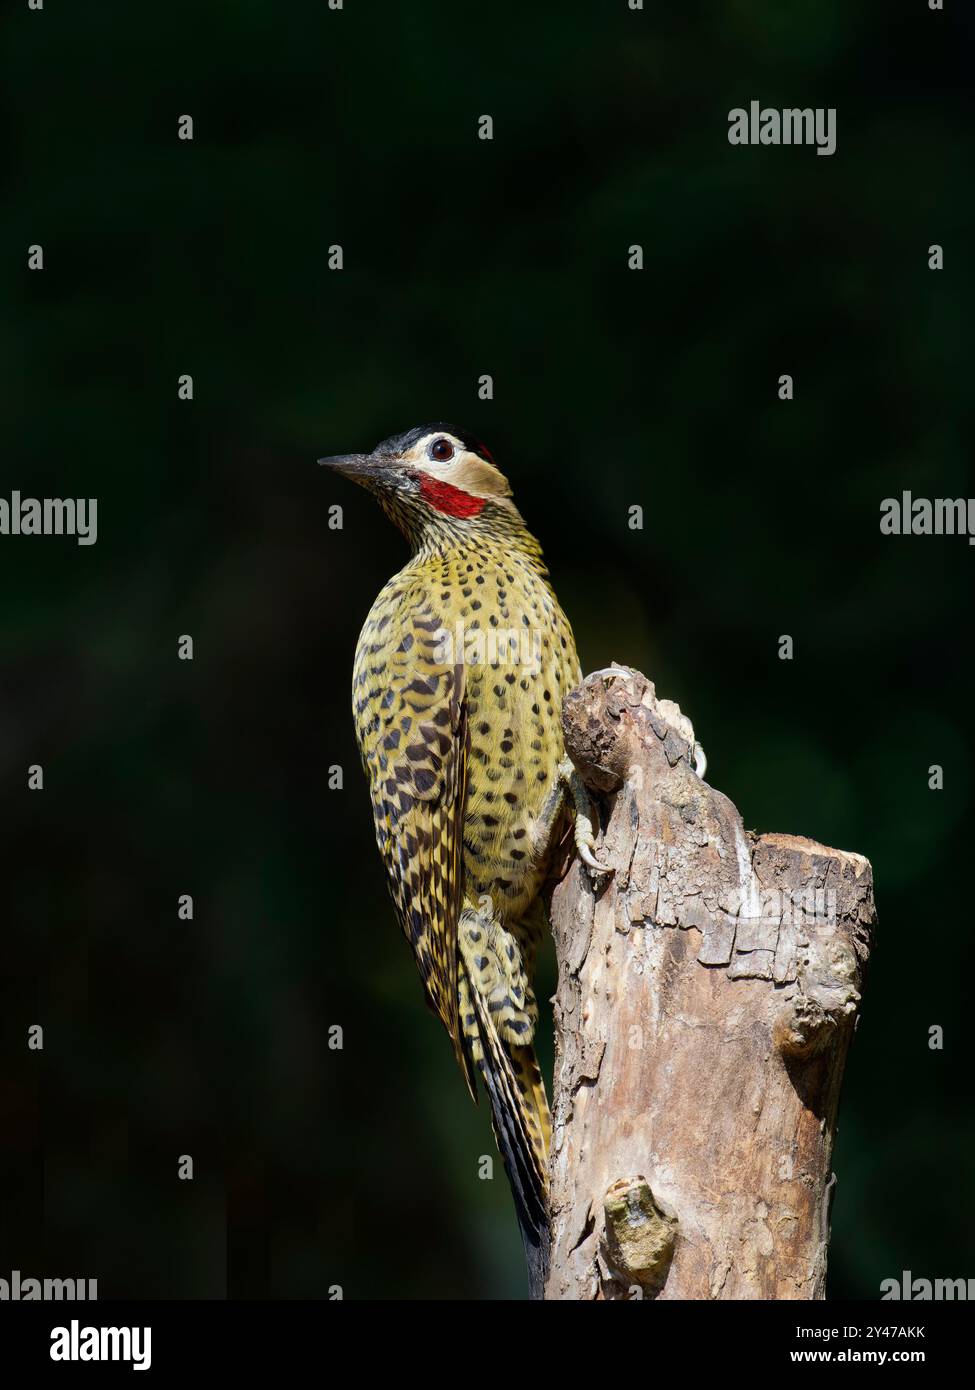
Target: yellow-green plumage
<point>460,673</point>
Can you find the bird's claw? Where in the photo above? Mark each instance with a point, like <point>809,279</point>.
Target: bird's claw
<point>583,832</point>
<point>588,858</point>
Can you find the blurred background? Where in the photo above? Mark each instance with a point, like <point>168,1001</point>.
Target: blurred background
<point>359,1167</point>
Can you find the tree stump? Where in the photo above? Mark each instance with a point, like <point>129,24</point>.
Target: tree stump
<point>707,995</point>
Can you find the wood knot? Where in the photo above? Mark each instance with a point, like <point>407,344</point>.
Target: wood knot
<point>597,723</point>
<point>801,1033</point>
<point>640,1235</point>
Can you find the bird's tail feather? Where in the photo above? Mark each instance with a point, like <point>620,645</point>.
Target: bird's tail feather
<point>519,1115</point>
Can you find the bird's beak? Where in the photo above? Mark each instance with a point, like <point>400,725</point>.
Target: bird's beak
<point>365,469</point>
<point>352,465</point>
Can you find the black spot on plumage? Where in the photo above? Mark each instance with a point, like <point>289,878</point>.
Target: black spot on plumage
<point>424,685</point>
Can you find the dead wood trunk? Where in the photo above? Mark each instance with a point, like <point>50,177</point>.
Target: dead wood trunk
<point>707,996</point>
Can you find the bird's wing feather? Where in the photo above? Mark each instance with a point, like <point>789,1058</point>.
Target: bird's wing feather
<point>415,743</point>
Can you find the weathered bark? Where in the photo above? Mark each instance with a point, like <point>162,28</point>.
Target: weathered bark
<point>707,996</point>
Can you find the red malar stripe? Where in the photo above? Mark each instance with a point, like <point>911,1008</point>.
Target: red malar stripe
<point>450,500</point>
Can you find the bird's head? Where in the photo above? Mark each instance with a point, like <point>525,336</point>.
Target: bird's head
<point>434,480</point>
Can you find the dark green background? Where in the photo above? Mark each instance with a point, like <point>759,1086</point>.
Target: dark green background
<point>316,1167</point>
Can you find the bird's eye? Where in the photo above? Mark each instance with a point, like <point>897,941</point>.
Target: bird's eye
<point>441,450</point>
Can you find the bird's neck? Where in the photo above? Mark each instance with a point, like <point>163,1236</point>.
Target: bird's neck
<point>497,530</point>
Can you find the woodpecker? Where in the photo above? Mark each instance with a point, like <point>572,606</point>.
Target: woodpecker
<point>459,676</point>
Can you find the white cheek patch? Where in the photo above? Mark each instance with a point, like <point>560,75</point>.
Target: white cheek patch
<point>465,471</point>
<point>443,472</point>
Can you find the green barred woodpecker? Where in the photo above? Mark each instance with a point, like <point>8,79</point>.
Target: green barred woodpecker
<point>459,677</point>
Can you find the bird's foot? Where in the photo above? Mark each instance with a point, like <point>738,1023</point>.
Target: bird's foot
<point>584,836</point>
